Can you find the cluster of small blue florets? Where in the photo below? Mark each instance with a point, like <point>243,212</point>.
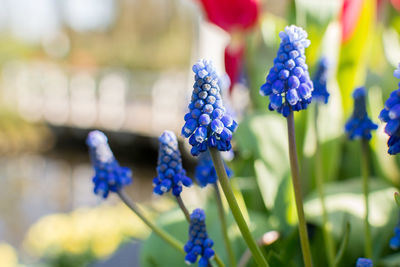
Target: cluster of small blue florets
<point>320,92</point>
<point>288,83</point>
<point>205,171</point>
<point>395,240</point>
<point>199,244</point>
<point>359,126</point>
<point>109,176</point>
<point>391,115</point>
<point>170,173</point>
<point>207,124</point>
<point>364,262</point>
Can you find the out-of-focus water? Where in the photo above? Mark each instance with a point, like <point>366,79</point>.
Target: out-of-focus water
<point>34,185</point>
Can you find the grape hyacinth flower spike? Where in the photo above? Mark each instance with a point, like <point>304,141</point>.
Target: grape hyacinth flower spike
<point>205,171</point>
<point>170,173</point>
<point>391,115</point>
<point>288,83</point>
<point>109,176</point>
<point>198,244</point>
<point>364,262</point>
<point>320,93</point>
<point>359,126</point>
<point>207,124</point>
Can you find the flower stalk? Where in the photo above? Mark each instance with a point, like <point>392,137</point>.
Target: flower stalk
<point>160,232</point>
<point>183,207</point>
<point>365,175</point>
<point>294,166</point>
<point>326,226</point>
<point>244,229</point>
<point>224,227</point>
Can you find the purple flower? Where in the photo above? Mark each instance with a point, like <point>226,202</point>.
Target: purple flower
<point>391,115</point>
<point>109,176</point>
<point>359,126</point>
<point>205,172</point>
<point>198,244</point>
<point>207,123</point>
<point>320,92</point>
<point>288,83</point>
<point>170,173</point>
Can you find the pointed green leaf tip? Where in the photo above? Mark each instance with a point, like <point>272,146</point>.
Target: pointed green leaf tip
<point>397,198</point>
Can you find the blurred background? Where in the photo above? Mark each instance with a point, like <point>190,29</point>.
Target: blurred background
<point>124,67</point>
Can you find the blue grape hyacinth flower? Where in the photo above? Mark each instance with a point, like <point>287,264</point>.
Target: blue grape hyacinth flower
<point>288,83</point>
<point>109,176</point>
<point>391,115</point>
<point>320,93</point>
<point>207,123</point>
<point>364,262</point>
<point>395,240</point>
<point>170,173</point>
<point>359,126</point>
<point>205,171</point>
<point>198,244</point>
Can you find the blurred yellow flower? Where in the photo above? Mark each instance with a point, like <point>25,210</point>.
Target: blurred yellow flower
<point>8,256</point>
<point>98,230</point>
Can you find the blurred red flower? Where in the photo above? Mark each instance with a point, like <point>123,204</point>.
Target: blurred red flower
<point>235,17</point>
<point>351,11</point>
<point>396,4</point>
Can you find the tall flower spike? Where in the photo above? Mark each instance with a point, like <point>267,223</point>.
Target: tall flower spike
<point>288,83</point>
<point>170,173</point>
<point>359,126</point>
<point>109,176</point>
<point>364,262</point>
<point>205,171</point>
<point>391,115</point>
<point>320,93</point>
<point>207,124</point>
<point>199,244</point>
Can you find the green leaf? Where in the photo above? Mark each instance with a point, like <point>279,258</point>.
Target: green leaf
<point>343,246</point>
<point>397,198</point>
<point>260,136</point>
<point>345,198</point>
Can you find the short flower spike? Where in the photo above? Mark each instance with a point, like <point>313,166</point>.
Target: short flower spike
<point>320,93</point>
<point>170,173</point>
<point>205,171</point>
<point>359,126</point>
<point>288,83</point>
<point>199,244</point>
<point>364,262</point>
<point>395,240</point>
<point>207,124</point>
<point>109,176</point>
<point>391,115</point>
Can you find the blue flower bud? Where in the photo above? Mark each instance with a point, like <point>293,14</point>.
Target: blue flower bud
<point>320,93</point>
<point>198,244</point>
<point>288,84</point>
<point>170,173</point>
<point>109,176</point>
<point>364,262</point>
<point>359,126</point>
<point>207,110</point>
<point>205,172</point>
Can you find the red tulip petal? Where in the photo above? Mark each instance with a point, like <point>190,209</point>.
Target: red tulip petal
<point>396,4</point>
<point>233,62</point>
<point>351,11</point>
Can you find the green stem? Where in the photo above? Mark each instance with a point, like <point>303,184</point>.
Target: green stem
<point>183,208</point>
<point>294,166</point>
<point>160,232</point>
<point>224,227</point>
<point>230,197</point>
<point>326,226</point>
<point>365,174</point>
